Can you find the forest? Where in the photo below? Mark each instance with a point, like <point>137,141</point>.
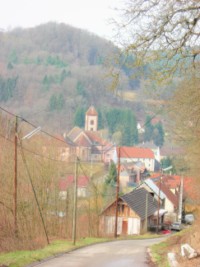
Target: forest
<point>52,71</point>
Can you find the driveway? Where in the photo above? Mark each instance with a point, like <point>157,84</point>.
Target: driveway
<point>125,253</point>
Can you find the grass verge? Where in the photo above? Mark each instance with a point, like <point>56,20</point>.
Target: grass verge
<point>159,254</point>
<point>23,258</point>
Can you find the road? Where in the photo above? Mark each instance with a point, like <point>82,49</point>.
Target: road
<point>125,253</point>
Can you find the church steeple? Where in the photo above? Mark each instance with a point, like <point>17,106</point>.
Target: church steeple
<point>91,119</point>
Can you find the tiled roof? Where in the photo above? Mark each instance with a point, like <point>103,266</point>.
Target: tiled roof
<point>173,181</point>
<point>66,139</point>
<point>135,152</point>
<point>136,200</point>
<point>69,141</point>
<point>94,137</point>
<point>74,133</point>
<point>172,197</point>
<point>86,138</point>
<point>83,141</point>
<point>65,183</point>
<point>91,111</point>
<point>190,186</point>
<point>153,186</point>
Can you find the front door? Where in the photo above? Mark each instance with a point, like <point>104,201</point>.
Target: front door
<point>124,228</point>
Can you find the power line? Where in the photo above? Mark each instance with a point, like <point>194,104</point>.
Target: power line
<point>34,153</point>
<point>34,192</point>
<point>33,125</point>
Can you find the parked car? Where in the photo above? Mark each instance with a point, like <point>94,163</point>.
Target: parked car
<point>188,219</point>
<point>176,226</point>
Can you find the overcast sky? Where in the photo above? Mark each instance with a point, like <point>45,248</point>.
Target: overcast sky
<point>92,15</point>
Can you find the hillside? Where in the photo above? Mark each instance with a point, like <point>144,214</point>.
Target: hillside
<point>49,71</point>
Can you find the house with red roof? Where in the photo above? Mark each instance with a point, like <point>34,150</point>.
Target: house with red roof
<point>131,174</point>
<point>67,183</point>
<point>135,154</point>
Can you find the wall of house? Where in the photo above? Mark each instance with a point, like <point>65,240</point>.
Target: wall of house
<point>128,221</point>
<point>124,179</point>
<point>168,205</point>
<point>149,163</point>
<point>84,153</point>
<point>66,152</point>
<point>108,155</point>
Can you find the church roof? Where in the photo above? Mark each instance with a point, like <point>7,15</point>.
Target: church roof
<point>74,133</point>
<point>91,111</point>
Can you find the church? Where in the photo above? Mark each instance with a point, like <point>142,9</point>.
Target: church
<point>90,146</point>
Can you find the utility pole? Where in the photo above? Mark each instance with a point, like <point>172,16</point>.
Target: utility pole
<point>146,214</point>
<point>75,203</point>
<point>15,177</point>
<point>158,218</point>
<point>117,195</point>
<point>180,200</point>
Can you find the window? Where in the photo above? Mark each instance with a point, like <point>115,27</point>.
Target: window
<point>92,122</point>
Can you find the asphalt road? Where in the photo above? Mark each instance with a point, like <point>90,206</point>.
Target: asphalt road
<point>125,253</point>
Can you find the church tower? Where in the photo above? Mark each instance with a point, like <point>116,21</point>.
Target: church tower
<point>91,119</point>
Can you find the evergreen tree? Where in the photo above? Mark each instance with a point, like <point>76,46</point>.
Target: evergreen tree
<point>148,134</point>
<point>129,130</point>
<point>7,87</point>
<point>63,75</point>
<point>112,117</point>
<point>10,66</point>
<point>112,175</point>
<point>60,102</point>
<point>80,89</point>
<point>13,58</point>
<point>79,118</point>
<point>158,135</point>
<point>126,136</point>
<point>53,102</point>
<point>100,120</point>
<point>46,83</point>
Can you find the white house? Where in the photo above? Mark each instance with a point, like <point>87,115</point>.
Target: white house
<point>135,154</point>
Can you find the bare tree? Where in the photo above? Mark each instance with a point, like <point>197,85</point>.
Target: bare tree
<point>164,32</point>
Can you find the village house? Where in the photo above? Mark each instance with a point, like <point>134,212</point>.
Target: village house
<point>153,147</point>
<point>168,201</point>
<point>66,184</point>
<point>189,194</point>
<point>136,211</point>
<point>131,174</point>
<point>136,154</point>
